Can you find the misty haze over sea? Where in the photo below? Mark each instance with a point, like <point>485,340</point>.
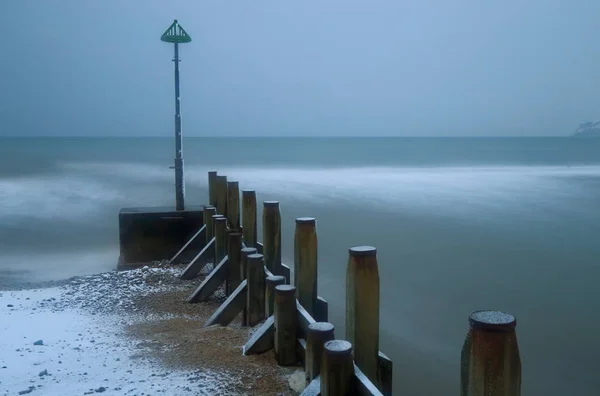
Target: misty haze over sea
<point>460,224</point>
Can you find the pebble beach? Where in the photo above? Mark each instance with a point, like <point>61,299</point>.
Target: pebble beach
<point>128,333</point>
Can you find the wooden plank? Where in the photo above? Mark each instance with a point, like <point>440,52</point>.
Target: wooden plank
<point>305,262</point>
<point>212,188</point>
<point>362,308</point>
<point>386,373</point>
<point>230,307</point>
<point>301,350</point>
<point>287,272</point>
<point>362,386</point>
<point>249,217</point>
<point>234,253</point>
<point>201,259</point>
<point>246,251</point>
<point>285,325</point>
<point>255,303</point>
<point>221,195</point>
<point>272,281</point>
<point>220,237</point>
<point>208,213</point>
<point>262,340</point>
<point>233,205</point>
<point>212,282</point>
<point>337,368</point>
<point>313,389</point>
<point>272,236</point>
<point>304,320</point>
<point>318,334</point>
<point>321,310</point>
<point>175,258</point>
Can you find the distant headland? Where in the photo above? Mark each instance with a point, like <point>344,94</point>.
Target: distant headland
<point>588,129</point>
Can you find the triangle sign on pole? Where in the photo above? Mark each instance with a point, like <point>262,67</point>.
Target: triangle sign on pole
<point>175,34</point>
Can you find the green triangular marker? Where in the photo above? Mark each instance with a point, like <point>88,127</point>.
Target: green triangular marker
<point>175,34</point>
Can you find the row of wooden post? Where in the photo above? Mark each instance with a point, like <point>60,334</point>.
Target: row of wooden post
<point>297,326</point>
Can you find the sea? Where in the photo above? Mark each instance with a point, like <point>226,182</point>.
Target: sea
<point>460,224</point>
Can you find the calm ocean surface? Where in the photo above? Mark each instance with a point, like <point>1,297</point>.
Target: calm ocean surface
<point>460,224</point>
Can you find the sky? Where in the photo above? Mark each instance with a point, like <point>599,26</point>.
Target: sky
<point>301,68</point>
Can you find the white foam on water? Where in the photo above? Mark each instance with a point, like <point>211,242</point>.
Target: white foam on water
<point>451,190</point>
<point>137,171</point>
<point>48,198</point>
<point>88,189</point>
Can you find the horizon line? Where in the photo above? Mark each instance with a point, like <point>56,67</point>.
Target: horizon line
<point>283,136</point>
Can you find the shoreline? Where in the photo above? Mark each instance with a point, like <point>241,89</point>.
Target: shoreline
<point>127,332</point>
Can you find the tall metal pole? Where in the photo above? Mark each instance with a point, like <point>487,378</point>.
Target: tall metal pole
<point>176,35</point>
<point>179,180</point>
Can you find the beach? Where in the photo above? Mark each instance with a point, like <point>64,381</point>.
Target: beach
<point>127,333</point>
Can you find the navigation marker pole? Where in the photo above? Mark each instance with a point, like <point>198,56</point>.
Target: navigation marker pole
<point>176,35</point>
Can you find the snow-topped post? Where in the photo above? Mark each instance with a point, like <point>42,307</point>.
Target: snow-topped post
<point>490,361</point>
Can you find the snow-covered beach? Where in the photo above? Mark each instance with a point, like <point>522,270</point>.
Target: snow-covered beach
<point>126,333</point>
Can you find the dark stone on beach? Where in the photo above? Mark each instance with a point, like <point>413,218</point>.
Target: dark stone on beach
<point>100,390</point>
<point>42,373</point>
<point>10,305</point>
<point>38,342</point>
<point>28,390</point>
<point>4,367</point>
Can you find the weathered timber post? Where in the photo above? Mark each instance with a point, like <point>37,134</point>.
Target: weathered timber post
<point>233,205</point>
<point>318,334</point>
<point>285,325</point>
<point>212,188</point>
<point>221,187</point>
<point>272,282</point>
<point>255,301</point>
<point>362,309</point>
<point>490,362</point>
<point>220,237</point>
<point>272,236</point>
<point>234,262</point>
<point>243,271</point>
<point>209,212</point>
<point>337,368</point>
<point>249,217</point>
<point>305,263</point>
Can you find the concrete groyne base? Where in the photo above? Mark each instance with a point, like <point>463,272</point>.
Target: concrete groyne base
<point>151,234</point>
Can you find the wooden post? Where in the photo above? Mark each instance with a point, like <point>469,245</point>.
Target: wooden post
<point>318,334</point>
<point>249,217</point>
<point>234,253</point>
<point>209,212</point>
<point>233,205</point>
<point>220,237</point>
<point>337,368</point>
<point>221,187</point>
<point>272,282</point>
<point>255,301</point>
<point>305,263</point>
<point>490,362</point>
<point>272,236</point>
<point>243,270</point>
<point>212,188</point>
<point>362,308</point>
<point>285,325</point>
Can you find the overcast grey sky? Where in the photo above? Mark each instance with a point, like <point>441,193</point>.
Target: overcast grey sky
<point>334,67</point>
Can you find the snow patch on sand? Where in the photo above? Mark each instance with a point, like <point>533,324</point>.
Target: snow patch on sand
<point>84,350</point>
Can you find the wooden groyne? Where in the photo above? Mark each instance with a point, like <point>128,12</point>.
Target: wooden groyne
<point>292,319</point>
